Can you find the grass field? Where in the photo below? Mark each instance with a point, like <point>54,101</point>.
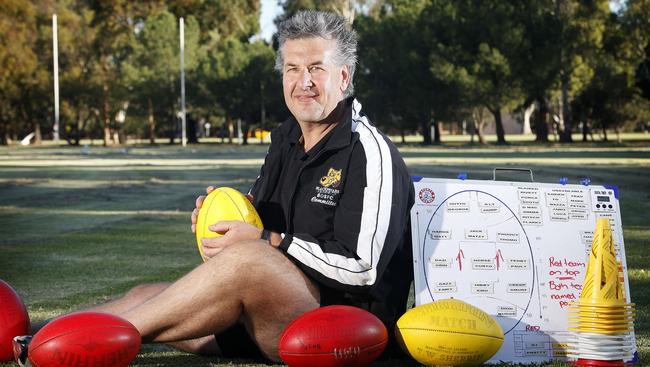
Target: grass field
<point>80,227</point>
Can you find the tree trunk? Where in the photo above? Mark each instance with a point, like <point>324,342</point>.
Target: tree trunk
<point>244,133</point>
<point>478,124</point>
<point>151,122</point>
<point>584,131</point>
<point>426,132</point>
<point>4,133</point>
<point>480,134</point>
<point>436,132</point>
<point>120,119</point>
<point>35,126</point>
<point>174,125</point>
<point>82,128</point>
<point>6,128</point>
<point>76,130</point>
<point>528,112</point>
<point>501,135</point>
<point>605,133</point>
<point>192,129</point>
<point>231,129</point>
<point>38,138</point>
<point>402,133</point>
<point>541,128</point>
<point>471,130</point>
<point>105,114</point>
<point>565,135</point>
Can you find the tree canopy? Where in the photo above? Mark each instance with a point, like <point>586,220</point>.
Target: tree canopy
<point>424,66</point>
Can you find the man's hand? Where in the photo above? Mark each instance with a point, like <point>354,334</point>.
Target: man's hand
<point>234,231</point>
<point>198,204</point>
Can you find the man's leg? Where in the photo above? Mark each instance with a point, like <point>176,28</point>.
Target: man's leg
<point>134,297</point>
<point>250,282</point>
<point>131,299</point>
<point>138,295</point>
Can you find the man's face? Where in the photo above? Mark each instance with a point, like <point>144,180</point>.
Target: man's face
<point>312,82</point>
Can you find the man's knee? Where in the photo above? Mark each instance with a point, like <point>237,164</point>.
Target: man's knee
<point>246,259</point>
<point>259,268</point>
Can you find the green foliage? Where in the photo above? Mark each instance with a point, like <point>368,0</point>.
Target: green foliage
<point>24,80</point>
<point>152,71</point>
<point>444,57</point>
<point>345,8</point>
<point>387,47</point>
<point>611,98</point>
<point>218,19</point>
<point>241,77</point>
<point>421,62</point>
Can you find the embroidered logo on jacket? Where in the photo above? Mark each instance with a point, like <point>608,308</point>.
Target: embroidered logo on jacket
<point>332,179</point>
<point>328,193</point>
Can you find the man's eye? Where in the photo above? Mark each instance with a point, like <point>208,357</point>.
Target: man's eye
<point>315,69</point>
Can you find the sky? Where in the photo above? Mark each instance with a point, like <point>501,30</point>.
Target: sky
<point>270,9</point>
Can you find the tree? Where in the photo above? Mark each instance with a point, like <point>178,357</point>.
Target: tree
<point>344,8</point>
<point>114,22</point>
<point>393,74</point>
<point>152,71</point>
<point>241,77</point>
<point>636,24</point>
<point>538,65</point>
<point>612,98</point>
<point>473,55</point>
<point>220,19</point>
<point>79,86</point>
<point>25,80</point>
<point>582,26</point>
<point>17,60</point>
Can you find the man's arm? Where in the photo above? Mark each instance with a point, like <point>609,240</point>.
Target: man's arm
<point>370,220</point>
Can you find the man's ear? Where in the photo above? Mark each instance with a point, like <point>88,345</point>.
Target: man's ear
<point>345,78</point>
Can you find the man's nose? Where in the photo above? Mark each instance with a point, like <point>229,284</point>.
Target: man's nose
<point>306,80</point>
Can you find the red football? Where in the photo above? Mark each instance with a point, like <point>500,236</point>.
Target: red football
<point>14,320</point>
<point>85,339</point>
<point>333,336</point>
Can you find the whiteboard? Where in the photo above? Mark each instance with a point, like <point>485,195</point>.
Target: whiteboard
<point>516,250</point>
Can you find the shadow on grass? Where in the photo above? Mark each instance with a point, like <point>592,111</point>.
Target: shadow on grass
<point>162,355</point>
<point>189,360</point>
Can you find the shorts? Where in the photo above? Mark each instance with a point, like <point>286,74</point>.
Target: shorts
<point>235,342</point>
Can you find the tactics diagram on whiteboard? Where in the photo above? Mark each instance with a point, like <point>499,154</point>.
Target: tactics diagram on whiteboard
<point>516,250</point>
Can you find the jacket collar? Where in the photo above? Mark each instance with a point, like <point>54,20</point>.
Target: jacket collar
<point>340,136</point>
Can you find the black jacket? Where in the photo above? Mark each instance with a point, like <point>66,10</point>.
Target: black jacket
<point>347,223</point>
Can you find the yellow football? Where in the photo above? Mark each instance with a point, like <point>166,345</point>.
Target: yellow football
<point>449,332</point>
<point>224,203</point>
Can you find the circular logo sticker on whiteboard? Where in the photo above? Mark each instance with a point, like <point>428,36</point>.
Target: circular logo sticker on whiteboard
<point>427,195</point>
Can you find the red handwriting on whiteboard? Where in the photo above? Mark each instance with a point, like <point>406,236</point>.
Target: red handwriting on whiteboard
<point>565,277</point>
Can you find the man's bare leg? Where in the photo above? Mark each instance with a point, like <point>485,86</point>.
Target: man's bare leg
<point>131,299</point>
<point>249,282</point>
<point>138,295</point>
<point>134,297</point>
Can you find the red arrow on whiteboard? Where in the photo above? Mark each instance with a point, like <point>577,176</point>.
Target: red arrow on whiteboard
<point>497,257</point>
<point>460,256</point>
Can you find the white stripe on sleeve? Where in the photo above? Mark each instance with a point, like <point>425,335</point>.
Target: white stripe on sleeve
<point>375,217</point>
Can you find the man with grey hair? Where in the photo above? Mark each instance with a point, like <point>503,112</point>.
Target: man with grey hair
<point>334,196</point>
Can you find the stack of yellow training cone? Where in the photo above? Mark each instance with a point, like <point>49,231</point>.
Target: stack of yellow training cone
<point>602,321</point>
